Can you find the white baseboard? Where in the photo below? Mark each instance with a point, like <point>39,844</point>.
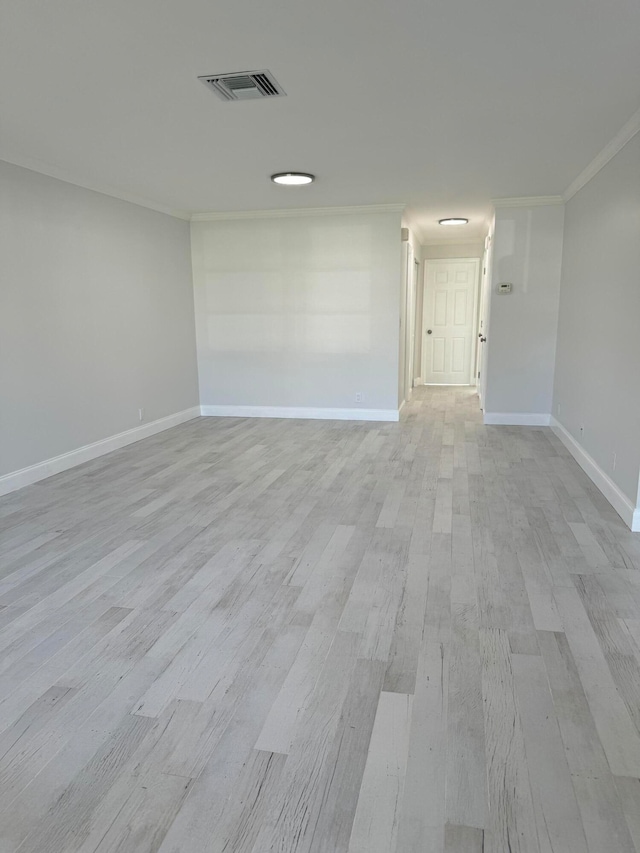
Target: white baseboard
<point>418,381</point>
<point>57,464</point>
<point>618,500</point>
<point>517,418</point>
<point>305,412</point>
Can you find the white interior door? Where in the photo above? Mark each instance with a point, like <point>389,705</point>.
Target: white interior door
<point>449,328</point>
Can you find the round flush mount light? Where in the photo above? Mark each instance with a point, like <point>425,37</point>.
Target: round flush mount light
<point>453,220</point>
<point>293,179</point>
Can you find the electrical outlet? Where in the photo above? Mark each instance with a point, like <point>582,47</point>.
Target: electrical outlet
<point>141,414</point>
<point>359,397</point>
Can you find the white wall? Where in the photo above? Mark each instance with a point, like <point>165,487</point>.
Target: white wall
<point>521,337</point>
<point>298,311</point>
<point>597,382</point>
<point>96,317</point>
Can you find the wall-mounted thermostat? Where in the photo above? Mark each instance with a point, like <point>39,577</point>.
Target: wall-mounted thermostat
<point>504,287</point>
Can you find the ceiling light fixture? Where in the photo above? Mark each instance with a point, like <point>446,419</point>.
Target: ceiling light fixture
<point>293,179</point>
<point>453,220</point>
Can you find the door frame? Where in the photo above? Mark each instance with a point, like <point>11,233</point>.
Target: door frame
<point>410,321</point>
<point>483,319</point>
<point>416,325</point>
<point>425,307</point>
<point>407,373</point>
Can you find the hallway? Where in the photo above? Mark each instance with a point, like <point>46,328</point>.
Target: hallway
<point>244,636</point>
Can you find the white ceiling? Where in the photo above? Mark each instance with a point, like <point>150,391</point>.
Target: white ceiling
<point>440,105</point>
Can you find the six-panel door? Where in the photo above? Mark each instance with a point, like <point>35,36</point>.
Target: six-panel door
<point>449,321</point>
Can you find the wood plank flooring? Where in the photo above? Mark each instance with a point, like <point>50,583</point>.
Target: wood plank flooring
<point>262,636</point>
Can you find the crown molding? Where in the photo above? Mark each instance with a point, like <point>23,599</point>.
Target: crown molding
<point>296,212</point>
<point>624,135</point>
<point>527,201</point>
<point>42,168</point>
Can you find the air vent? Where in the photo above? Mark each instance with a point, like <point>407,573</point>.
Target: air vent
<point>243,85</point>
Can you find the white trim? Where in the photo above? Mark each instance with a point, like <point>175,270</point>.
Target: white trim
<point>42,470</point>
<point>51,171</point>
<point>410,290</point>
<point>473,370</point>
<point>624,135</point>
<point>418,381</point>
<point>528,201</point>
<point>618,500</point>
<point>304,412</point>
<point>401,407</point>
<point>516,418</point>
<point>287,213</point>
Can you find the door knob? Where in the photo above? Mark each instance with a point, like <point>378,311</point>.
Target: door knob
<point>429,331</point>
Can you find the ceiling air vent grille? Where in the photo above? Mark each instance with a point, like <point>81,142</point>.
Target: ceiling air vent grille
<point>243,85</point>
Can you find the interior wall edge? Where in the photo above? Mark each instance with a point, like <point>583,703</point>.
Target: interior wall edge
<point>295,212</point>
<point>51,171</point>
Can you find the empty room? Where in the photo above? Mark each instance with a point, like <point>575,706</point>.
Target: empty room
<point>319,426</point>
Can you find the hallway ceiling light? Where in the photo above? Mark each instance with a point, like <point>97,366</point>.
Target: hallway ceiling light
<point>453,220</point>
<point>293,179</point>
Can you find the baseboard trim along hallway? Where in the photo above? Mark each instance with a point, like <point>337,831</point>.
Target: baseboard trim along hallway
<point>303,412</point>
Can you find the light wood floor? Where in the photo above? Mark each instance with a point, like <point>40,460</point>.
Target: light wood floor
<point>253,635</point>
